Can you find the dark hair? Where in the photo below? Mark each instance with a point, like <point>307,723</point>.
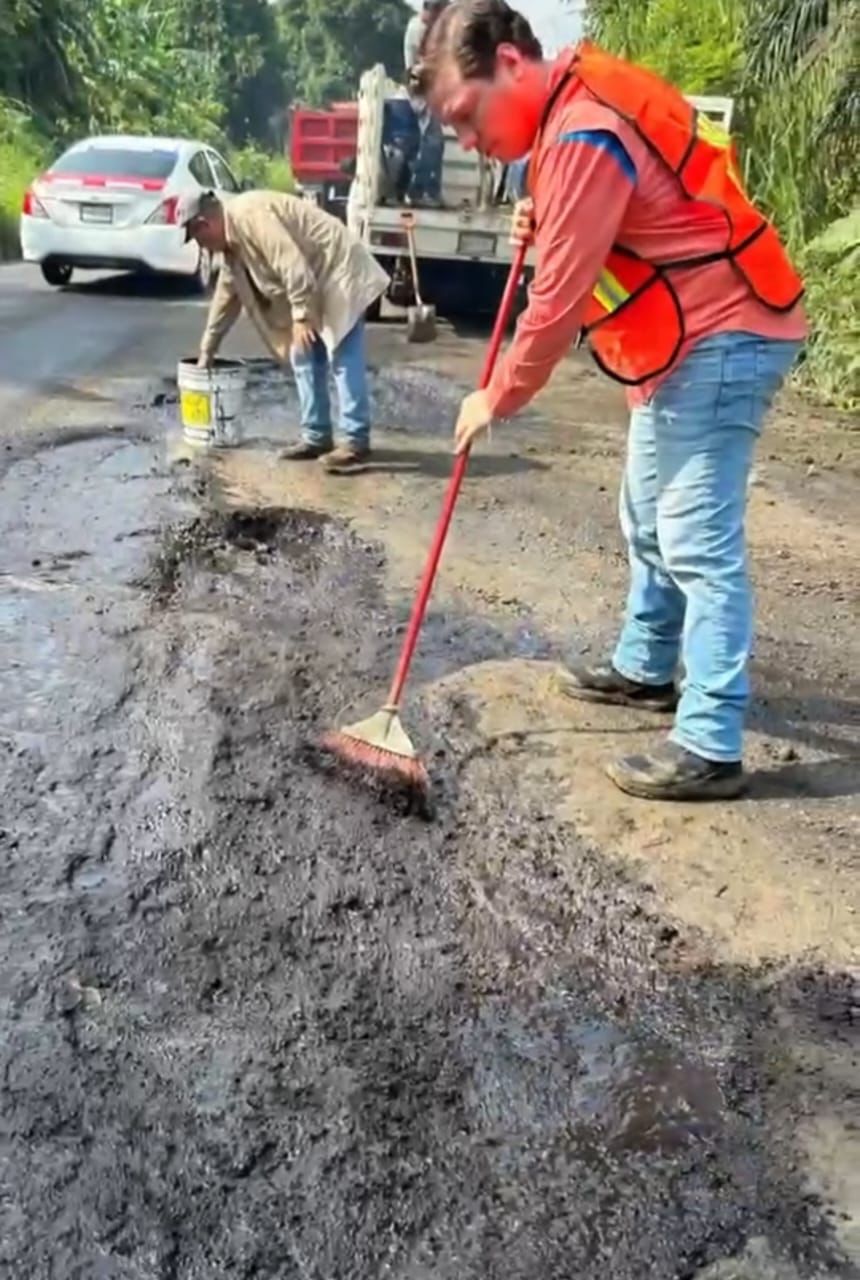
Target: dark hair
<point>471,31</point>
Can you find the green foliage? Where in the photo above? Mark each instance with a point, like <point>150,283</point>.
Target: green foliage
<point>832,266</point>
<point>134,73</point>
<point>791,66</point>
<point>696,46</point>
<point>261,170</point>
<point>34,66</point>
<point>224,71</point>
<point>22,153</point>
<point>330,42</point>
<point>191,66</point>
<point>801,118</point>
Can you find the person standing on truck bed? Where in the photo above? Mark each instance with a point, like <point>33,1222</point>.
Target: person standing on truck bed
<point>306,284</point>
<point>425,186</point>
<point>646,241</point>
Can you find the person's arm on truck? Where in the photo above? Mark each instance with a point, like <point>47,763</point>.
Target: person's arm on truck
<point>224,310</point>
<point>581,208</point>
<point>412,41</point>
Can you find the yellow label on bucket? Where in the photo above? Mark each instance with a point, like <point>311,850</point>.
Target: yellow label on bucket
<point>196,409</point>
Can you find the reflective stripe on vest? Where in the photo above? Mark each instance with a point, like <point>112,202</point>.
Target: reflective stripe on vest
<point>609,291</point>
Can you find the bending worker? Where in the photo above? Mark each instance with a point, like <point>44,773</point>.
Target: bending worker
<point>646,241</point>
<point>306,285</point>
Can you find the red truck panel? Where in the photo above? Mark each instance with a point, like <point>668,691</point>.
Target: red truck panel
<point>320,141</point>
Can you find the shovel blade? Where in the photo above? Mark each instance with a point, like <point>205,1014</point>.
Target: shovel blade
<point>421,323</point>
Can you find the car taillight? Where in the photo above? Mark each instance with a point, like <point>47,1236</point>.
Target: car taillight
<point>32,206</point>
<point>165,214</point>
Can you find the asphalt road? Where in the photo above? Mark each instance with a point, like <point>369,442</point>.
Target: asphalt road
<point>256,1021</point>
<point>107,325</point>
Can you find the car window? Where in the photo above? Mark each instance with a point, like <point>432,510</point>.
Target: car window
<point>117,162</point>
<point>200,171</point>
<point>223,177</point>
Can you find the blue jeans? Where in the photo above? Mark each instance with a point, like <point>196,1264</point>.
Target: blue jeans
<point>348,364</point>
<point>427,166</point>
<point>683,502</point>
<point>517,182</point>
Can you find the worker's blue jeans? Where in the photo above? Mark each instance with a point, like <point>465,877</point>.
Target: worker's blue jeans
<point>683,502</point>
<point>348,366</point>
<point>426,182</point>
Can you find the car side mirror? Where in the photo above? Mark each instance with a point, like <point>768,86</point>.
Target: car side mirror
<point>246,185</point>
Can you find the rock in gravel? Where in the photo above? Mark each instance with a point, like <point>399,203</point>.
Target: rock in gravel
<point>756,1263</point>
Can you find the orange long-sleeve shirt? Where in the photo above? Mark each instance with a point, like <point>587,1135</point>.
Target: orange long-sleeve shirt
<point>595,185</point>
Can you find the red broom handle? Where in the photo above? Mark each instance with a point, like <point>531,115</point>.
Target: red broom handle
<point>419,609</point>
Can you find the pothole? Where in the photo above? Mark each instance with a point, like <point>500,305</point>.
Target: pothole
<point>215,540</point>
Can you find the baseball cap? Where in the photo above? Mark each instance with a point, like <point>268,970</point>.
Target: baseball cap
<point>196,204</point>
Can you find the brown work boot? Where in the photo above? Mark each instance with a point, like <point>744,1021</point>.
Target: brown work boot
<point>302,451</point>
<point>602,683</point>
<point>345,461</point>
<point>670,772</point>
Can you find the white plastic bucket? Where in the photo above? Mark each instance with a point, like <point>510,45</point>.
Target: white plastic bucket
<point>210,402</point>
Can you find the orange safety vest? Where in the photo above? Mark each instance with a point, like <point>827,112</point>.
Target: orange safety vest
<point>634,321</point>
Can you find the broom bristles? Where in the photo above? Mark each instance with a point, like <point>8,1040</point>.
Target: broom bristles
<point>407,770</point>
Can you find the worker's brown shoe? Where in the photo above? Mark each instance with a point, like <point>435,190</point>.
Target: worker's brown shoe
<point>602,683</point>
<point>345,461</point>
<point>302,451</point>
<point>672,773</point>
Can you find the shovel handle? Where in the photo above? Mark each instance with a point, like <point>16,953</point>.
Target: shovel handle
<point>407,219</point>
<point>425,588</point>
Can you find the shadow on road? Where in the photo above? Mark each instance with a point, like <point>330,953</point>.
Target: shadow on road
<point>818,724</point>
<point>439,465</point>
<point>135,285</point>
<point>825,781</point>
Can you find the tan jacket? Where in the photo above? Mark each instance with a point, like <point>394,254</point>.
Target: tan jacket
<point>288,260</point>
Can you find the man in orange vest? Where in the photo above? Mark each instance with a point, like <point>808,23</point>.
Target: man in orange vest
<point>646,242</point>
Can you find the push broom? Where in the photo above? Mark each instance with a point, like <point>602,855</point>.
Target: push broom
<point>380,745</point>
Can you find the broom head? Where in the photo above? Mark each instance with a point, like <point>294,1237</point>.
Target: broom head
<point>380,745</point>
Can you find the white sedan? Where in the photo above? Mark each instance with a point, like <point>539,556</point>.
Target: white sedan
<point>110,204</point>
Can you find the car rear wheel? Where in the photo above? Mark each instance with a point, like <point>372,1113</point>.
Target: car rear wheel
<point>56,274</point>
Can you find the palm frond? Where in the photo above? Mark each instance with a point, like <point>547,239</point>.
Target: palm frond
<point>781,34</point>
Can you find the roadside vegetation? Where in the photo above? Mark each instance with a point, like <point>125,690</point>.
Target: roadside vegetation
<point>792,67</point>
<point>224,71</point>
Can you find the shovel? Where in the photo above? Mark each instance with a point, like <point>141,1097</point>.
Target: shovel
<point>420,318</point>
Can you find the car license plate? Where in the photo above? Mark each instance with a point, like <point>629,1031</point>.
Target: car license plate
<point>195,407</point>
<point>98,213</point>
<point>476,244</point>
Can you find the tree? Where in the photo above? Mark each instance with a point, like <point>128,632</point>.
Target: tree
<point>239,42</point>
<point>35,68</point>
<point>205,68</point>
<point>329,43</point>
